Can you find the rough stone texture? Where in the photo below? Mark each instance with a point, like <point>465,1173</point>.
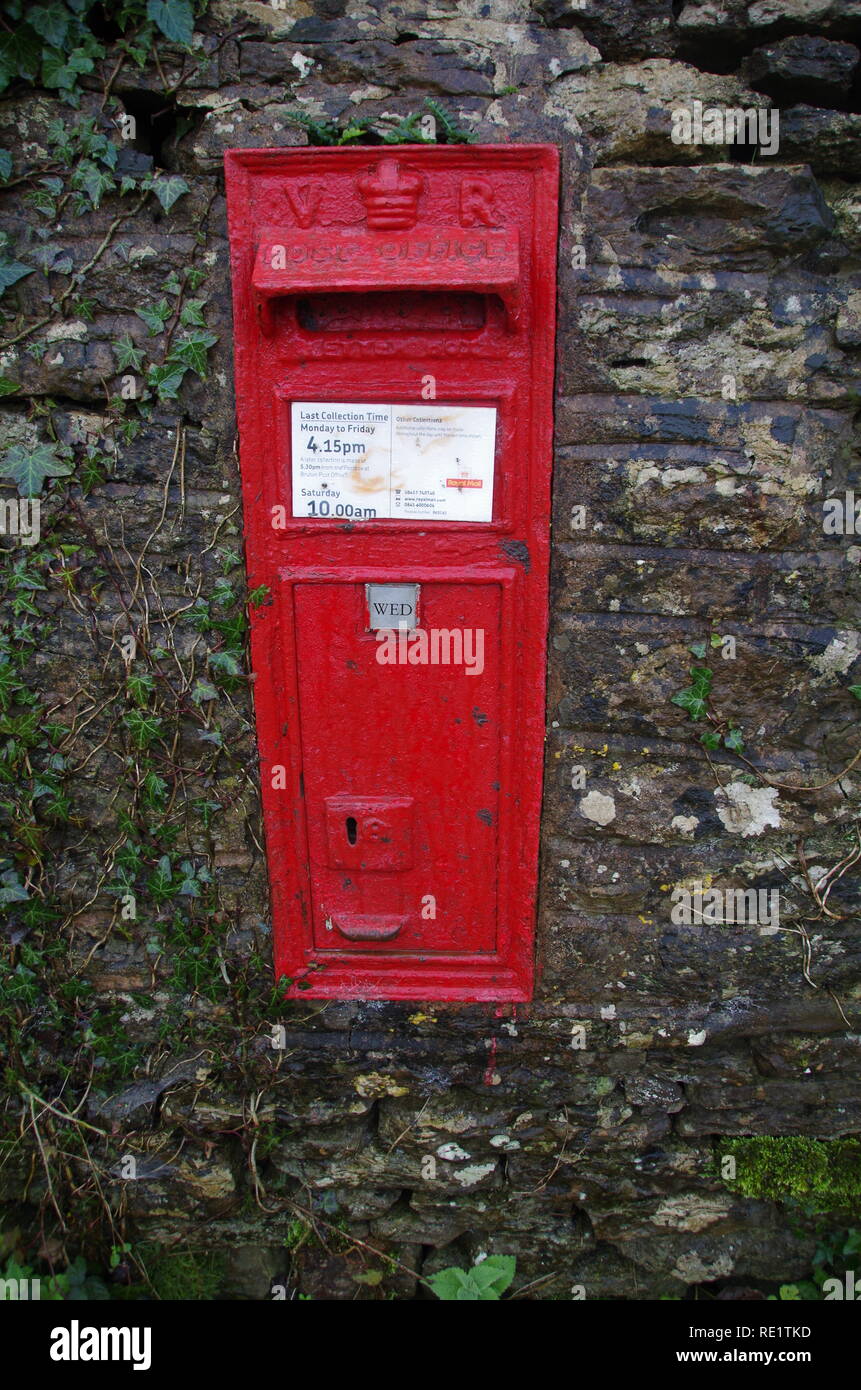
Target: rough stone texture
<point>707,389</point>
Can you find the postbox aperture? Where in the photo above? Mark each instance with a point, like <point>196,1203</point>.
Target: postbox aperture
<point>394,324</point>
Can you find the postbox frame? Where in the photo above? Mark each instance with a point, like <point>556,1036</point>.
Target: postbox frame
<point>509,549</point>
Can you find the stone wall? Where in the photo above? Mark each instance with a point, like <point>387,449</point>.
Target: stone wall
<point>709,324</point>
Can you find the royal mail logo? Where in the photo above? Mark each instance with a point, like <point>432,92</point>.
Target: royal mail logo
<point>464,482</point>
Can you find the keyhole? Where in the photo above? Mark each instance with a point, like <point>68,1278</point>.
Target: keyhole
<point>351,829</point>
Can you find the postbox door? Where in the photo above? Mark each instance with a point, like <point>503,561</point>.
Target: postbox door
<point>402,767</point>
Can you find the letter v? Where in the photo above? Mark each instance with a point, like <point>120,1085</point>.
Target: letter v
<point>304,199</point>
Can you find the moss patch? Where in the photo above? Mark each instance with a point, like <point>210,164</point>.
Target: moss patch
<point>186,1277</point>
<point>823,1174</point>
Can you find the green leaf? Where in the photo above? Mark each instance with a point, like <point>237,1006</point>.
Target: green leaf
<point>11,889</point>
<point>5,164</point>
<point>692,701</point>
<point>734,741</point>
<point>711,739</point>
<point>29,467</point>
<point>702,677</point>
<point>154,789</point>
<point>203,691</point>
<point>168,189</point>
<point>166,380</point>
<point>127,355</point>
<point>191,315</point>
<point>174,18</point>
<point>495,1273</point>
<point>143,728</point>
<point>11,272</point>
<point>62,72</point>
<point>483,1283</point>
<point>139,687</point>
<point>94,181</point>
<point>20,54</point>
<point>855,690</point>
<point>161,880</point>
<point>51,22</point>
<point>224,662</point>
<point>191,351</point>
<point>7,387</point>
<point>450,1283</point>
<point>156,317</point>
<point>698,649</point>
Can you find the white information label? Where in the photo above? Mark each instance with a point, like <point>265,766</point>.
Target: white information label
<point>420,462</point>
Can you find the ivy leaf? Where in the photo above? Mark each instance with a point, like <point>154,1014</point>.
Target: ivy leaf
<point>710,739</point>
<point>8,683</point>
<point>5,164</point>
<point>29,467</point>
<point>698,649</point>
<point>20,54</point>
<point>7,387</point>
<point>127,355</point>
<point>192,879</point>
<point>144,728</point>
<point>12,889</point>
<point>192,350</point>
<point>162,878</point>
<point>156,317</point>
<point>191,314</point>
<point>62,72</point>
<point>168,189</point>
<point>140,686</point>
<point>154,788</point>
<point>166,380</point>
<point>11,272</point>
<point>692,701</point>
<point>702,677</point>
<point>51,22</point>
<point>203,691</point>
<point>224,663</point>
<point>174,19</point>
<point>94,181</point>
<point>856,691</point>
<point>734,741</point>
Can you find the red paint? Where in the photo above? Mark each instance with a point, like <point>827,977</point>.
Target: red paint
<point>490,1069</point>
<point>357,274</point>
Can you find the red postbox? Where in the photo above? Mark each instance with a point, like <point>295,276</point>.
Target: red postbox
<point>394,327</point>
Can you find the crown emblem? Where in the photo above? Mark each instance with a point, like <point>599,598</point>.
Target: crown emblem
<point>390,195</point>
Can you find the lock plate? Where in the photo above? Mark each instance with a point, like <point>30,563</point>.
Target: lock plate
<point>370,832</point>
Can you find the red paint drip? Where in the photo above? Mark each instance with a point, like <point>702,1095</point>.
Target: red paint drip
<point>489,1073</point>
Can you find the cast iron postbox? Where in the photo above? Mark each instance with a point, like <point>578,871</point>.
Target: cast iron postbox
<point>394,327</point>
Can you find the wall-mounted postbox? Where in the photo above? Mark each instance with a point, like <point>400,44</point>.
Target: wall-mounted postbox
<point>394,328</point>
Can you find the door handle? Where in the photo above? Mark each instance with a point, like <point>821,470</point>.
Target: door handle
<point>368,927</point>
